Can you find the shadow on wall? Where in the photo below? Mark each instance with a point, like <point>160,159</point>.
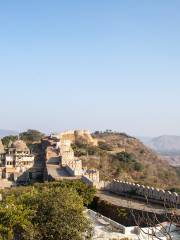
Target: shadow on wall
<point>35,173</point>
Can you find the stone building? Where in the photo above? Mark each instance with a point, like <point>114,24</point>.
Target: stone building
<point>76,135</point>
<point>16,161</point>
<point>59,156</point>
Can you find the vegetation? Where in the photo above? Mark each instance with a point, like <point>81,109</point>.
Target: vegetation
<point>31,136</point>
<point>105,146</point>
<point>128,162</point>
<point>6,140</point>
<point>45,212</point>
<point>85,192</point>
<point>83,149</point>
<point>119,155</point>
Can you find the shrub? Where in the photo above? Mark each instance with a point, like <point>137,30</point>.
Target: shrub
<point>124,157</point>
<point>138,167</point>
<point>105,146</point>
<point>44,212</point>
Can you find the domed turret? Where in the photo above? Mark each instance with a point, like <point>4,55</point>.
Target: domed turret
<point>20,145</point>
<point>1,147</point>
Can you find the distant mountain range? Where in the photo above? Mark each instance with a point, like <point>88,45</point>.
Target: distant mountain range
<point>4,132</point>
<point>164,144</point>
<point>168,146</point>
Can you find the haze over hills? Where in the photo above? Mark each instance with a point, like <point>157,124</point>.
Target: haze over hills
<point>5,132</point>
<point>121,156</point>
<point>168,146</point>
<point>165,144</point>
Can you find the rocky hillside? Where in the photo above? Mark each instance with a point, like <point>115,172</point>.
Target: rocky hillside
<point>121,156</point>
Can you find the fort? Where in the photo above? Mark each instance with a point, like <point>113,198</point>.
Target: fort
<point>60,159</point>
<point>61,152</point>
<point>74,135</point>
<point>17,164</point>
<point>140,191</point>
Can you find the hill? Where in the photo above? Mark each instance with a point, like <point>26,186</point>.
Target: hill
<point>166,144</point>
<point>124,157</point>
<point>5,132</point>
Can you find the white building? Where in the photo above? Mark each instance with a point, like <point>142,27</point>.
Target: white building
<point>16,161</point>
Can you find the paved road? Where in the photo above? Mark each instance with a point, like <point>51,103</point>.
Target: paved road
<point>130,203</point>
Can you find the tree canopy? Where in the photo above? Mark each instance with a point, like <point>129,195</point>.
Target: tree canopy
<point>6,140</point>
<point>44,212</point>
<point>31,136</point>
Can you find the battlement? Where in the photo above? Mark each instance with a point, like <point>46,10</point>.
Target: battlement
<point>122,187</point>
<point>63,149</point>
<point>90,176</point>
<point>74,135</point>
<point>74,167</point>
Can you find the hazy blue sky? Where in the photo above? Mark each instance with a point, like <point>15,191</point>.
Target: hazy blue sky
<point>90,64</point>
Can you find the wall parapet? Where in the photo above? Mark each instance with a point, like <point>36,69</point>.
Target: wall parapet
<point>123,187</point>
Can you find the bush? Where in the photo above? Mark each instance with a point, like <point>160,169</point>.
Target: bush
<point>124,157</point>
<point>138,167</point>
<point>31,136</point>
<point>105,146</point>
<point>45,212</point>
<point>85,192</point>
<point>6,140</point>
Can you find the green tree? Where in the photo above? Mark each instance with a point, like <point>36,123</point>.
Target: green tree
<point>105,146</point>
<point>15,221</point>
<point>85,192</point>
<point>59,214</point>
<point>31,136</point>
<point>124,157</point>
<point>138,166</point>
<point>7,139</point>
<point>43,212</point>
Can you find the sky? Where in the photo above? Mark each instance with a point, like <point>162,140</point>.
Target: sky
<point>93,65</point>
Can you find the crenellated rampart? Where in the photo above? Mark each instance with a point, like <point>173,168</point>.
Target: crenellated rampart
<point>150,193</point>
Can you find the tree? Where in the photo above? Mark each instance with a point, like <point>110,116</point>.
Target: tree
<point>138,166</point>
<point>31,136</point>
<point>43,212</point>
<point>105,146</point>
<point>15,220</point>
<point>85,192</point>
<point>59,215</point>
<point>125,157</point>
<point>6,140</point>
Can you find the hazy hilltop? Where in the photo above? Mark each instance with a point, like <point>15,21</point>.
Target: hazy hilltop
<point>121,156</point>
<point>168,146</point>
<point>5,132</point>
<point>165,144</point>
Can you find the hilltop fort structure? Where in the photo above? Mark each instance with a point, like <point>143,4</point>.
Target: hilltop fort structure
<point>61,163</point>
<point>15,161</point>
<point>58,161</point>
<point>75,135</point>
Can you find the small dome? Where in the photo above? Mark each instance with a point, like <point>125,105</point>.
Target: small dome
<point>20,145</point>
<point>1,147</point>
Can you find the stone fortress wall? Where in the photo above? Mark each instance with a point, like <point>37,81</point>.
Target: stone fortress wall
<point>91,176</point>
<point>74,135</point>
<point>149,193</point>
<point>72,164</point>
